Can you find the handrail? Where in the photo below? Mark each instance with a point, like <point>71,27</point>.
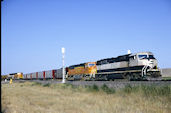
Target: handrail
<point>142,74</point>
<point>144,70</point>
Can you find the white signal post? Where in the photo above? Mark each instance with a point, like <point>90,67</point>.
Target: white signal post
<point>63,70</point>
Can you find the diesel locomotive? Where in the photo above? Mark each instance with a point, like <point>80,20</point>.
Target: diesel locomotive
<point>84,71</point>
<point>138,66</point>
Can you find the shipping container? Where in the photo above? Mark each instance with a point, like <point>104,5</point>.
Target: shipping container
<point>58,73</point>
<point>48,74</point>
<point>34,75</point>
<point>40,75</point>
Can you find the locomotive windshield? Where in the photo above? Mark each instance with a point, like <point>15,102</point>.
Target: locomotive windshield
<point>146,57</point>
<point>91,65</point>
<point>142,56</point>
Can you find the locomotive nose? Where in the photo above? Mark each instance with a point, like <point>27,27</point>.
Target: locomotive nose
<point>152,63</point>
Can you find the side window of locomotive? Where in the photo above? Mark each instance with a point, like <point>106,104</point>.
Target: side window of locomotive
<point>132,57</point>
<point>151,57</point>
<point>72,67</point>
<point>135,57</point>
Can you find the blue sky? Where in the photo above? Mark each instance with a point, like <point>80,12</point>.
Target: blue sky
<point>33,31</point>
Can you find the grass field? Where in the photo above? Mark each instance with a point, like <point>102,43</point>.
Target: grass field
<point>30,97</point>
<point>166,78</point>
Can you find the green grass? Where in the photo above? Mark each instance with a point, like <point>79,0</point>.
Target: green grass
<point>141,89</point>
<point>149,90</point>
<point>106,89</point>
<point>93,88</point>
<point>46,85</point>
<point>35,84</point>
<point>156,90</point>
<point>128,89</point>
<point>166,78</point>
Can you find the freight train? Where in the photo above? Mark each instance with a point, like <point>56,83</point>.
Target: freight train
<point>138,66</point>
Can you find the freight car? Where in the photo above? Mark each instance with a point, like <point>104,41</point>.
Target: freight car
<point>42,75</point>
<point>138,66</point>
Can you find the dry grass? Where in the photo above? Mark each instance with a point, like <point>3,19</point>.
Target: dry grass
<point>36,98</point>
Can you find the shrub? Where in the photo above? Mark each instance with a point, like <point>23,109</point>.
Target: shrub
<point>128,89</point>
<point>156,90</point>
<point>46,85</point>
<point>106,89</point>
<point>93,88</point>
<point>165,91</point>
<point>65,86</point>
<point>35,83</point>
<point>148,90</point>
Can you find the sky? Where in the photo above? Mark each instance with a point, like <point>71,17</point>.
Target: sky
<point>34,31</point>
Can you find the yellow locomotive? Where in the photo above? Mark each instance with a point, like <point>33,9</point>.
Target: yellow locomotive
<point>16,75</point>
<point>84,71</point>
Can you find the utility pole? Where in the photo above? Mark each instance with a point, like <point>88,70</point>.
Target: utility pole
<point>63,67</point>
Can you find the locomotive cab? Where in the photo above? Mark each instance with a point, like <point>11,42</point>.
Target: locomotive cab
<point>147,63</point>
<point>92,69</point>
<point>147,59</point>
<point>143,59</point>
